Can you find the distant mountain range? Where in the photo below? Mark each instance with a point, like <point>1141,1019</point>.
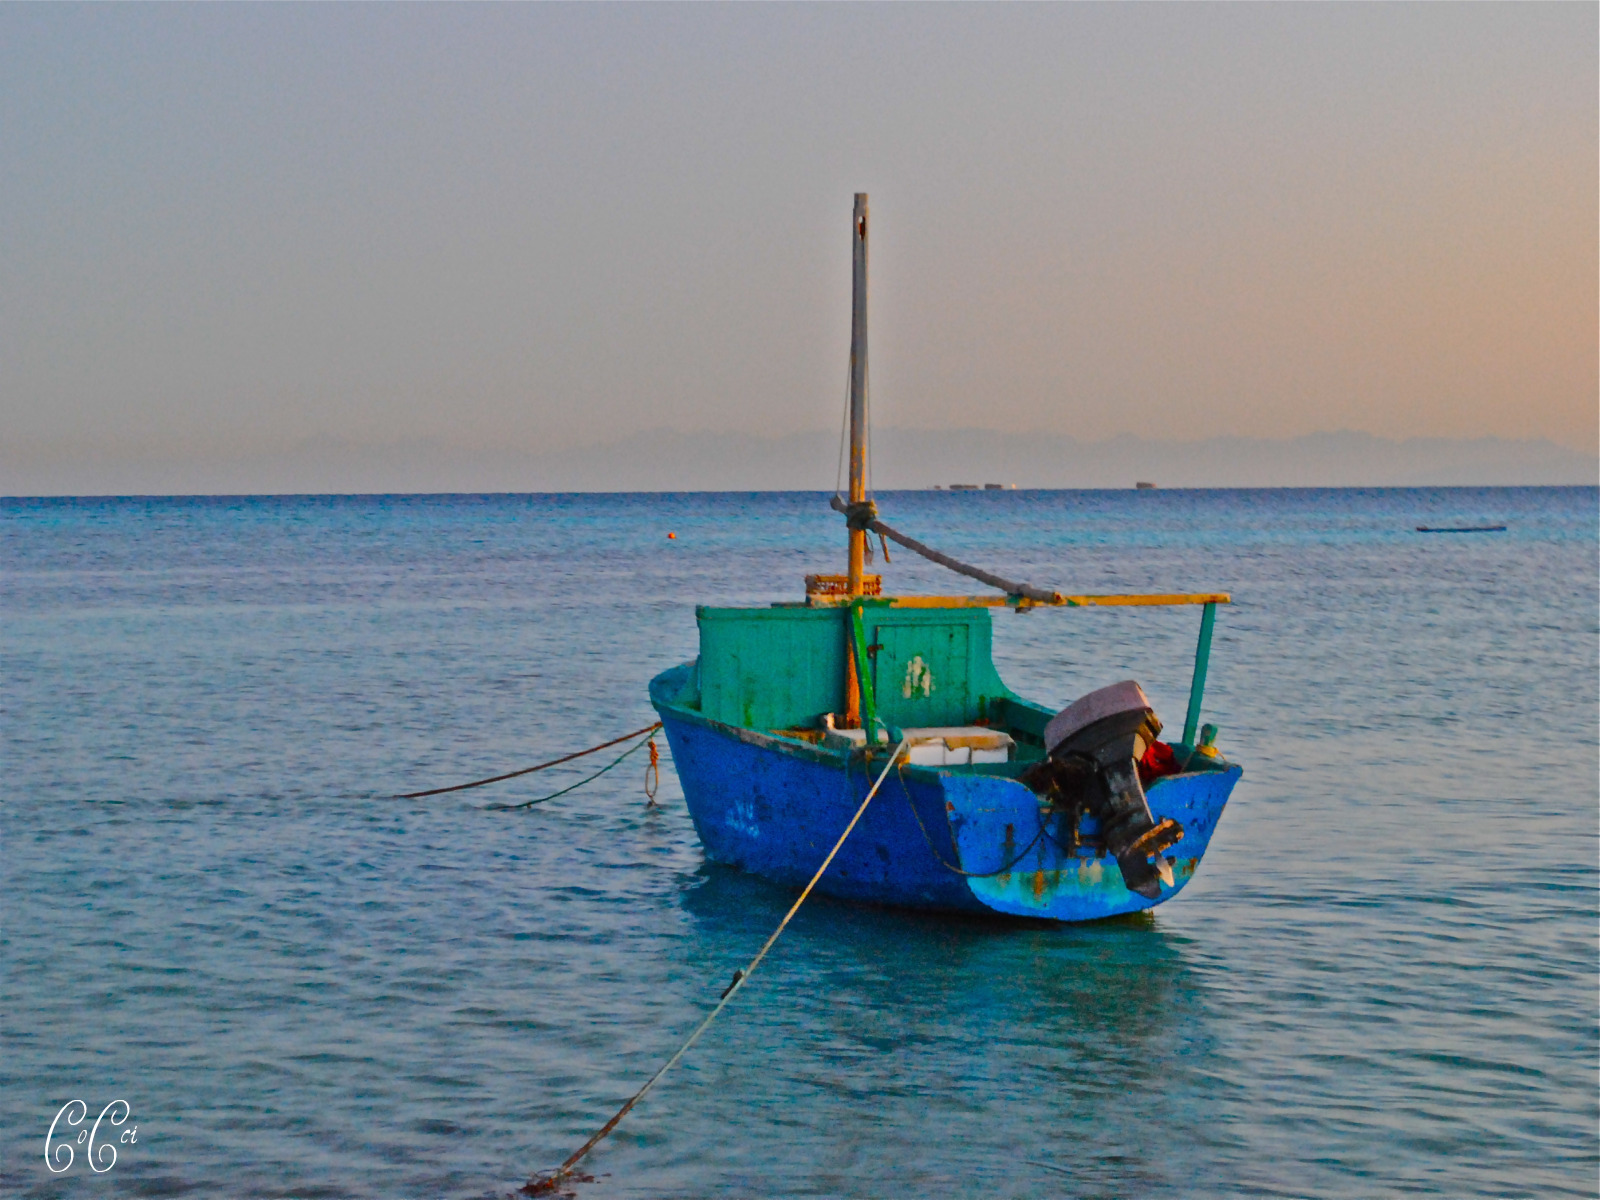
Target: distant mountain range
<point>665,460</point>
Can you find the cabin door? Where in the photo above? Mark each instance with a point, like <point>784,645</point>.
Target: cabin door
<point>920,674</point>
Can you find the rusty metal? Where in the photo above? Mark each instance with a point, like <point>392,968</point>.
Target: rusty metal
<point>1158,839</point>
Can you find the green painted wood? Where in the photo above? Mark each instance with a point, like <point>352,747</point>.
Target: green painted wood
<point>779,668</point>
<point>923,673</point>
<point>858,640</point>
<point>1025,719</point>
<point>1197,685</point>
<point>771,668</point>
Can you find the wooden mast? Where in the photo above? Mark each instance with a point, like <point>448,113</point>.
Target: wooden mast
<point>858,390</point>
<point>858,441</point>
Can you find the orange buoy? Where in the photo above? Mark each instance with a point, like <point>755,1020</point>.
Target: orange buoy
<point>672,535</point>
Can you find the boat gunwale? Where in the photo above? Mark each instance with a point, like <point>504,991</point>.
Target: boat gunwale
<point>812,752</point>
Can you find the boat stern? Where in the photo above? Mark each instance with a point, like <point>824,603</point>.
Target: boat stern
<point>1020,857</point>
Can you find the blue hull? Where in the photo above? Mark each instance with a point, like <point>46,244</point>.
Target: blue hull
<point>954,839</point>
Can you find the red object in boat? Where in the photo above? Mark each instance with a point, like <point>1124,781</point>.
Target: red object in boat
<point>1159,760</point>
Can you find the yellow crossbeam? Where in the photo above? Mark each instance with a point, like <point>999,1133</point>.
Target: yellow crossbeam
<point>1166,598</point>
<point>1022,602</point>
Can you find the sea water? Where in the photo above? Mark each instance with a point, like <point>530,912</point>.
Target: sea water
<point>1382,981</point>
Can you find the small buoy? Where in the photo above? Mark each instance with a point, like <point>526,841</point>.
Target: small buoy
<point>672,535</point>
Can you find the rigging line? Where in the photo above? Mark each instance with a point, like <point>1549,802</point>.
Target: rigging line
<point>530,803</point>
<point>866,404</point>
<point>554,762</point>
<point>870,521</point>
<point>549,1183</point>
<point>844,433</point>
<point>939,858</point>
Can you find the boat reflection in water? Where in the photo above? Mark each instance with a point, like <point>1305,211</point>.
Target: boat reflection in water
<point>1102,1029</point>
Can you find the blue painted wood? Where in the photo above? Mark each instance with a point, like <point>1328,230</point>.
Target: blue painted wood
<point>774,805</point>
<point>998,824</point>
<point>776,809</point>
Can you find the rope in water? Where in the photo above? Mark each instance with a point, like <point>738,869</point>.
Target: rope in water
<point>539,1185</point>
<point>554,762</point>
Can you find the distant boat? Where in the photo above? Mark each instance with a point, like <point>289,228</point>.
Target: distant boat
<point>1461,528</point>
<point>1144,486</point>
<point>996,804</point>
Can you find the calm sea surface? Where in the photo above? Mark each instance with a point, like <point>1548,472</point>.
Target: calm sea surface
<point>1383,980</point>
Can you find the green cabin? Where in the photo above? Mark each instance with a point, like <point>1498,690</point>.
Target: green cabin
<point>783,668</point>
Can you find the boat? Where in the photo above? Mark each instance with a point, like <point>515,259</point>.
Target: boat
<point>989,803</point>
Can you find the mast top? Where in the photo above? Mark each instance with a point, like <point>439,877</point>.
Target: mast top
<point>858,386</point>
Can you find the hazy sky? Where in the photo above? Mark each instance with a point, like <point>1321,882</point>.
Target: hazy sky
<point>232,227</point>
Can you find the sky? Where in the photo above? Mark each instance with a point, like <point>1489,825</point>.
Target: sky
<point>231,229</point>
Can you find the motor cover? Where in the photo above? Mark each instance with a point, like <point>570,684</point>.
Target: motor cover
<point>1093,749</point>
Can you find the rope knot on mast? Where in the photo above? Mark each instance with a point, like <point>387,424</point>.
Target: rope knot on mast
<point>860,515</point>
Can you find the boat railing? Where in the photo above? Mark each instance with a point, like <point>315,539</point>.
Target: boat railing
<point>1202,651</point>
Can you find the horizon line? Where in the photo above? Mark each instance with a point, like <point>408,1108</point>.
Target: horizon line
<point>820,492</point>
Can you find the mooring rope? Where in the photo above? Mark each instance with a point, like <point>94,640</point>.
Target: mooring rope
<point>652,774</point>
<point>649,790</point>
<point>540,1185</point>
<point>864,516</point>
<point>554,762</point>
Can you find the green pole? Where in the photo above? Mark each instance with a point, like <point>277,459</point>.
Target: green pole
<point>869,715</point>
<point>1197,686</point>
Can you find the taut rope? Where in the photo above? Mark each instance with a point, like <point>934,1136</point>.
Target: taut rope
<point>543,1184</point>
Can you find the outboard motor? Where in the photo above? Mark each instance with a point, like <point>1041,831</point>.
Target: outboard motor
<point>1094,746</point>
